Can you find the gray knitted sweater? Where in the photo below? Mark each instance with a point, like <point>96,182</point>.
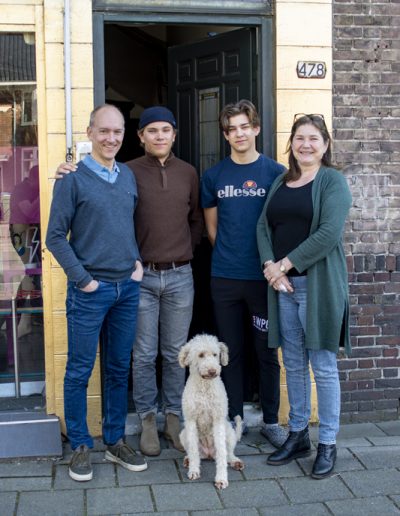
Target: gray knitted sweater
<point>99,216</point>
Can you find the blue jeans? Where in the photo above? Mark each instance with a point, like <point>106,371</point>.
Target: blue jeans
<point>296,358</point>
<point>111,310</point>
<point>164,317</point>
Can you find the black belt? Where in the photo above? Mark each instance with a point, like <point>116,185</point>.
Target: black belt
<point>164,266</point>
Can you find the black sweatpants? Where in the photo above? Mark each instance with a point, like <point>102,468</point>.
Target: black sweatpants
<point>231,300</point>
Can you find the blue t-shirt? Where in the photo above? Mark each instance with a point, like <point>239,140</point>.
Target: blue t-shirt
<point>238,192</point>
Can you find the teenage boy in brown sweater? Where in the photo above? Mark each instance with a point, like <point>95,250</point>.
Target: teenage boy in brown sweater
<point>169,225</point>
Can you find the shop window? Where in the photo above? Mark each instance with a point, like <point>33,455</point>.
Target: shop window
<point>21,306</point>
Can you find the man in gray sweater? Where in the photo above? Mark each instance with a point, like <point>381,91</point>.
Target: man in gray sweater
<point>101,260</point>
<point>169,224</point>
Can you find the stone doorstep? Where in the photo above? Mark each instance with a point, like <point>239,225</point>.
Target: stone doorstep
<point>25,434</point>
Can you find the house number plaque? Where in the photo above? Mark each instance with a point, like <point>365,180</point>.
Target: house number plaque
<point>311,69</point>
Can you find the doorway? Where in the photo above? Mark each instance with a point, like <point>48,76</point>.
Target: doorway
<point>194,70</point>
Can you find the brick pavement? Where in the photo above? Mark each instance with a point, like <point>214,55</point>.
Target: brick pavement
<point>367,482</point>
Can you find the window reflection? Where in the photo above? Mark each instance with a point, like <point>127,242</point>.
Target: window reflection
<point>21,306</point>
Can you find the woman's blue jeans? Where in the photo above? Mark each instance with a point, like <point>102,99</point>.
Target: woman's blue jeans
<point>296,358</point>
<point>111,310</point>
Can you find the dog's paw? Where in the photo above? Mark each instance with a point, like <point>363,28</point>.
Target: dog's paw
<point>186,462</point>
<point>193,475</point>
<point>238,465</point>
<point>221,484</point>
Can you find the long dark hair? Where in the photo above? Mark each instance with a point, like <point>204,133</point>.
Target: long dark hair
<point>318,122</point>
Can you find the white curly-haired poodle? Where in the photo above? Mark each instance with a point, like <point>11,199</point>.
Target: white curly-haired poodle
<point>207,432</point>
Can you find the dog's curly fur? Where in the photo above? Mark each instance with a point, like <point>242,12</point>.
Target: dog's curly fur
<point>207,432</point>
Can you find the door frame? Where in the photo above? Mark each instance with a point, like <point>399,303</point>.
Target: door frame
<point>265,65</point>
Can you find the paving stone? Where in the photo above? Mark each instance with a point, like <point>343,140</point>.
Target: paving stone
<point>189,497</point>
<point>253,493</point>
<point>158,472</point>
<point>355,441</point>
<point>51,503</point>
<point>266,448</point>
<point>167,454</point>
<point>25,484</point>
<point>248,448</point>
<point>256,467</point>
<point>255,437</point>
<point>378,457</point>
<point>345,462</point>
<point>26,469</point>
<point>228,512</point>
<point>306,490</point>
<point>393,440</point>
<point>168,513</point>
<point>303,509</point>
<point>396,499</point>
<point>7,503</point>
<point>367,507</point>
<point>390,427</point>
<point>365,429</point>
<point>103,476</point>
<point>208,472</point>
<point>373,482</point>
<point>119,500</point>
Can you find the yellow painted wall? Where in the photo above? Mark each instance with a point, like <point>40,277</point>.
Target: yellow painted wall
<point>303,32</point>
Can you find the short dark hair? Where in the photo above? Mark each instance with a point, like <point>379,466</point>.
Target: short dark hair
<point>99,108</point>
<point>243,107</point>
<point>318,122</point>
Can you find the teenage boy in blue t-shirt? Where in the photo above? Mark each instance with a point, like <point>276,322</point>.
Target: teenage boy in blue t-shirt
<point>233,193</point>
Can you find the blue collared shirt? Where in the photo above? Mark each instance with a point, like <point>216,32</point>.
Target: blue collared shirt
<point>101,170</point>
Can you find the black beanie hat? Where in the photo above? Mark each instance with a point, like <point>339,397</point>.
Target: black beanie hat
<point>156,114</point>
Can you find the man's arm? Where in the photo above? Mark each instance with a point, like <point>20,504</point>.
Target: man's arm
<point>211,219</point>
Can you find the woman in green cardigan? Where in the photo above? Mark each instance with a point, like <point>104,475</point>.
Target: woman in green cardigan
<point>299,238</point>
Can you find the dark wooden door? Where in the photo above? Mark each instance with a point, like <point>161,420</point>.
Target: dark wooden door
<point>202,78</point>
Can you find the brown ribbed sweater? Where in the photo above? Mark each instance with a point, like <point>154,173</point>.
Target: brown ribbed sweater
<point>168,219</point>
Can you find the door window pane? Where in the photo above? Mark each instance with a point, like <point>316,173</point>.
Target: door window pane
<point>209,127</point>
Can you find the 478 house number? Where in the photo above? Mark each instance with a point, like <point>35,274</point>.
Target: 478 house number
<point>311,69</point>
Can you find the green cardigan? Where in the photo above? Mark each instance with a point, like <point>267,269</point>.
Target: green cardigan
<point>322,255</point>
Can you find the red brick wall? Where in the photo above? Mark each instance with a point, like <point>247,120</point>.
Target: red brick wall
<point>366,124</point>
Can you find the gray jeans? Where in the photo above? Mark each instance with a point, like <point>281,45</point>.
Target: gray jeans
<point>164,316</point>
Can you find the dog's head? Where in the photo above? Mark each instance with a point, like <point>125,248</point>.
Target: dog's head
<point>204,355</point>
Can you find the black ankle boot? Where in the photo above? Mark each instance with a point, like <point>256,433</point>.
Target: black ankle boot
<point>296,445</point>
<point>325,461</point>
